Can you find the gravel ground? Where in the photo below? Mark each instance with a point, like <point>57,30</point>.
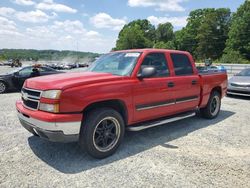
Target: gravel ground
<point>189,153</point>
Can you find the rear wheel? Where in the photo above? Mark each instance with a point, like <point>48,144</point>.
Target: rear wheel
<point>213,106</point>
<point>3,87</point>
<point>102,132</point>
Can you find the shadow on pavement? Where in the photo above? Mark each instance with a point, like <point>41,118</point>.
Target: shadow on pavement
<point>70,159</point>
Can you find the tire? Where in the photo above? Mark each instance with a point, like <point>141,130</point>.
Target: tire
<point>212,109</point>
<point>3,87</point>
<point>102,132</point>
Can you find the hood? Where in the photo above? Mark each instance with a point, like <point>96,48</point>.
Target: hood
<point>240,80</point>
<point>68,80</point>
<point>6,75</point>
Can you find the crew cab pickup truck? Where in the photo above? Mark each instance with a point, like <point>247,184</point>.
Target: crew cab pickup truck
<point>123,90</point>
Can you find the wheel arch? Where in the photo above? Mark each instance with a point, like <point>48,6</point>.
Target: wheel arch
<point>218,89</point>
<point>6,83</point>
<point>115,104</point>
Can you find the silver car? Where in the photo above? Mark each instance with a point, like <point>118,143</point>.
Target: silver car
<point>240,84</point>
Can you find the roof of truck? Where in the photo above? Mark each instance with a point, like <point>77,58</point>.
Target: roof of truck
<point>152,50</point>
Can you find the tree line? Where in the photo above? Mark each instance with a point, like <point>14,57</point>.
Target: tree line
<point>47,55</point>
<point>211,33</point>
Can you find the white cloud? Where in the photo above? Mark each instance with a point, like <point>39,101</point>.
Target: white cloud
<point>33,16</point>
<point>7,24</point>
<point>58,31</point>
<point>24,2</point>
<point>160,5</point>
<point>103,20</point>
<point>40,32</point>
<point>68,37</point>
<point>176,21</point>
<point>92,34</point>
<point>69,26</point>
<point>6,11</point>
<point>51,5</point>
<point>8,27</point>
<point>36,16</point>
<point>65,36</point>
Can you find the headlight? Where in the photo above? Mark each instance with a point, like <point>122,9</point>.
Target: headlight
<point>49,107</point>
<point>51,94</point>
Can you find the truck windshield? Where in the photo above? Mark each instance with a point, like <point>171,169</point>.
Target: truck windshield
<point>117,63</point>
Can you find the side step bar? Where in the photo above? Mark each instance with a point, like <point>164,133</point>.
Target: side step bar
<point>147,125</point>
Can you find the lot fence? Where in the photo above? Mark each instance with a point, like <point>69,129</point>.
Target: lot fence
<point>235,68</point>
<point>231,68</point>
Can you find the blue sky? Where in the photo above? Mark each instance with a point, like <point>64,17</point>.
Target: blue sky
<point>87,25</point>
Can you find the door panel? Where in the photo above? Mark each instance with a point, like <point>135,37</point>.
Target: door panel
<point>187,82</point>
<point>186,92</point>
<point>153,97</point>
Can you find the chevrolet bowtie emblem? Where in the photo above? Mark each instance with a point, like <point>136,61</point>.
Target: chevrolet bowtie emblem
<point>25,96</point>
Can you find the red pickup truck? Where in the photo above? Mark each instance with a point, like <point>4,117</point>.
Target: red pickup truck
<point>130,89</point>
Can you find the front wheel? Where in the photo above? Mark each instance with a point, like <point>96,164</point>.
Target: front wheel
<point>3,87</point>
<point>102,132</point>
<point>212,109</point>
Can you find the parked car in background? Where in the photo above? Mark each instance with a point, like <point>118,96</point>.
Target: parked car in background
<point>239,84</point>
<point>9,62</point>
<point>205,69</point>
<point>14,80</point>
<point>83,64</point>
<point>130,89</point>
<point>221,68</point>
<point>16,63</point>
<point>53,65</point>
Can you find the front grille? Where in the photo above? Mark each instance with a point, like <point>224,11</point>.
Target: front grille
<point>239,85</point>
<point>33,93</point>
<point>31,98</point>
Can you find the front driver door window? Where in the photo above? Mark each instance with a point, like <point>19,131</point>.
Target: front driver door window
<point>158,61</point>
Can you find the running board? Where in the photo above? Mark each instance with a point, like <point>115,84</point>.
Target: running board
<point>143,126</point>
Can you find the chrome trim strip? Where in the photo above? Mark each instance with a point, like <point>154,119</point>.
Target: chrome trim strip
<point>188,100</point>
<point>30,96</point>
<point>167,104</point>
<point>155,106</point>
<point>177,118</point>
<point>34,100</point>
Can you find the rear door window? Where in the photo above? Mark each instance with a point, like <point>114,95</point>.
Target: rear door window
<point>182,65</point>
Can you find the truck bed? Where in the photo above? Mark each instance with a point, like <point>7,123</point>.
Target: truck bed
<point>211,79</point>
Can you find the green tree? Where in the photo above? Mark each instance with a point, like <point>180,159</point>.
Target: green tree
<point>136,34</point>
<point>239,34</point>
<point>213,33</point>
<point>132,37</point>
<point>205,33</point>
<point>185,40</point>
<point>165,45</point>
<point>164,32</point>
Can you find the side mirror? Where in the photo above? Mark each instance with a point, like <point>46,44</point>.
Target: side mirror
<point>16,74</point>
<point>147,72</point>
